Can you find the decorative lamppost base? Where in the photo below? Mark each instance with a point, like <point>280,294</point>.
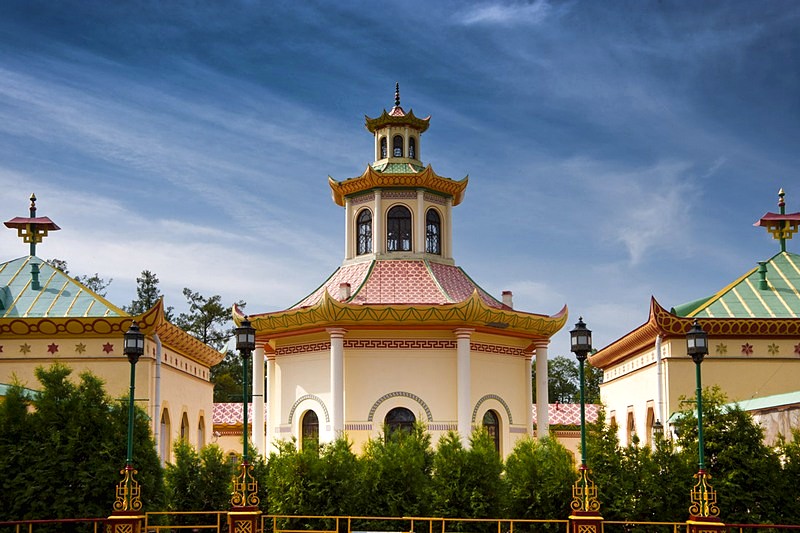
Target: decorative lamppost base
<point>124,522</point>
<point>243,519</point>
<point>585,522</point>
<point>705,524</point>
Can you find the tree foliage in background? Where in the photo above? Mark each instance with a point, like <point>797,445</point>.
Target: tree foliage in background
<point>563,381</point>
<point>147,295</point>
<point>207,319</point>
<point>67,451</point>
<point>197,481</point>
<point>94,282</point>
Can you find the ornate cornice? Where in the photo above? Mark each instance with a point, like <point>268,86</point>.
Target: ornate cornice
<point>371,179</point>
<point>472,312</point>
<point>385,119</point>
<point>662,322</point>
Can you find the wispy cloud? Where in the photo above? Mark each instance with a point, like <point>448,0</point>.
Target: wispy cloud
<point>502,13</point>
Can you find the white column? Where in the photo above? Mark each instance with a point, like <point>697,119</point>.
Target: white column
<point>542,405</point>
<point>529,393</point>
<point>377,147</point>
<point>258,399</point>
<point>377,225</point>
<point>337,382</point>
<point>419,227</point>
<point>447,245</point>
<point>464,375</point>
<point>272,418</point>
<point>348,228</point>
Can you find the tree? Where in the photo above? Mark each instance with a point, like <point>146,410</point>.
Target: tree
<point>207,320</point>
<point>563,381</point>
<point>94,282</point>
<point>227,378</point>
<point>539,476</point>
<point>745,471</point>
<point>69,442</point>
<point>147,295</point>
<point>197,481</point>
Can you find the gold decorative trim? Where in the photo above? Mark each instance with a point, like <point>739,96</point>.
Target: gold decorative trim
<point>371,179</point>
<point>472,312</point>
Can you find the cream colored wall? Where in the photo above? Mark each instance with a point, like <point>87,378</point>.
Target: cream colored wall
<point>184,382</point>
<point>740,377</point>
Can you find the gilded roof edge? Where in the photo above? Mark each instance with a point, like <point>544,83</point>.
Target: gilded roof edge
<point>373,124</point>
<point>473,311</point>
<point>371,179</point>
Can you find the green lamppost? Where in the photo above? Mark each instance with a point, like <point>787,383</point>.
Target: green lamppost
<point>704,498</point>
<point>245,487</point>
<point>585,505</point>
<point>128,502</point>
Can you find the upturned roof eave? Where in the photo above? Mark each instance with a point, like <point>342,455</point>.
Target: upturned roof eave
<point>420,124</point>
<point>472,312</point>
<point>371,179</point>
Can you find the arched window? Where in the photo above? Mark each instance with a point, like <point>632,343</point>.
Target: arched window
<point>492,424</point>
<point>412,148</point>
<point>310,431</point>
<point>383,147</point>
<point>398,229</point>
<point>164,444</point>
<point>185,428</point>
<point>631,428</point>
<point>433,231</point>
<point>399,418</point>
<point>364,226</point>
<point>397,146</point>
<point>201,433</point>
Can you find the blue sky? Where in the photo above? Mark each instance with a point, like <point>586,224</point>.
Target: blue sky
<point>616,150</point>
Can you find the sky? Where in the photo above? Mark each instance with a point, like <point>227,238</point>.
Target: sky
<point>615,150</point>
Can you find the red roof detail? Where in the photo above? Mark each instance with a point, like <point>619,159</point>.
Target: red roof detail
<point>569,414</point>
<point>458,286</point>
<point>21,222</point>
<point>397,111</point>
<point>353,274</point>
<point>230,414</point>
<point>400,282</point>
<point>775,217</point>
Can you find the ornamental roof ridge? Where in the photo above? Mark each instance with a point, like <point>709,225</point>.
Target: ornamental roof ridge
<point>386,118</point>
<point>472,312</point>
<point>372,179</point>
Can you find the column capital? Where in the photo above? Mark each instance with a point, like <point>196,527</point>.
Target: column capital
<point>541,344</point>
<point>462,333</point>
<point>336,332</point>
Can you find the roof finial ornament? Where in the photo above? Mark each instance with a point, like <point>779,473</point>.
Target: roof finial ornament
<point>781,225</point>
<point>397,94</point>
<point>32,229</point>
<point>33,205</point>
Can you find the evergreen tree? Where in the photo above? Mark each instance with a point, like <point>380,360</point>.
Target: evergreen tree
<point>147,295</point>
<point>563,381</point>
<point>207,320</point>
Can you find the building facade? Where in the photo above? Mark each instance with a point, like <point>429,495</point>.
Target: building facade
<point>399,333</point>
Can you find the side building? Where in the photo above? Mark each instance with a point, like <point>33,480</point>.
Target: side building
<point>46,316</point>
<point>398,333</point>
<point>753,327</point>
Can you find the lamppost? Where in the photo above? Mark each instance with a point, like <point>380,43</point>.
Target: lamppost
<point>704,498</point>
<point>128,501</point>
<point>244,514</point>
<point>585,505</point>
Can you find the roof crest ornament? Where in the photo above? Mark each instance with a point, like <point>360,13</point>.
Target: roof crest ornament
<point>782,226</point>
<point>397,94</point>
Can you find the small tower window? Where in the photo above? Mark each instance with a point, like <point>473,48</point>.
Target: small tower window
<point>433,231</point>
<point>398,229</point>
<point>364,232</point>
<point>310,428</point>
<point>397,146</point>
<point>412,148</point>
<point>492,424</point>
<point>383,147</point>
<point>399,419</point>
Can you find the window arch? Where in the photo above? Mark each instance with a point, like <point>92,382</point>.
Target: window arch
<point>492,424</point>
<point>398,229</point>
<point>309,427</point>
<point>412,148</point>
<point>383,148</point>
<point>364,230</point>
<point>397,146</point>
<point>433,232</point>
<point>201,433</point>
<point>400,419</point>
<point>164,444</point>
<point>185,428</point>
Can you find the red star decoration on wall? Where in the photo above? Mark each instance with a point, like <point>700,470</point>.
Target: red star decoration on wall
<point>52,348</point>
<point>747,349</point>
<point>108,347</point>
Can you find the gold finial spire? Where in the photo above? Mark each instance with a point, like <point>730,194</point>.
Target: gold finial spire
<point>397,94</point>
<point>780,225</point>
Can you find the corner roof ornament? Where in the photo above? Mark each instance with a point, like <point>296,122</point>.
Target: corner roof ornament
<point>782,226</point>
<point>32,229</point>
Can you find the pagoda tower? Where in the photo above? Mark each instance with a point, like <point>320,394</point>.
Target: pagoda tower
<point>398,333</point>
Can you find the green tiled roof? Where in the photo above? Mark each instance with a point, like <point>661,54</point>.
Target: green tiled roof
<point>398,168</point>
<point>744,299</point>
<point>60,296</point>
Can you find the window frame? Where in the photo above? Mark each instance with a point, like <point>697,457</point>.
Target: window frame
<point>402,226</point>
